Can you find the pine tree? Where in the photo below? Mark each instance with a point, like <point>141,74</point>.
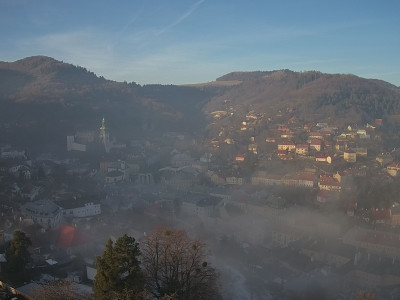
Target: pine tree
<point>17,254</point>
<point>118,269</point>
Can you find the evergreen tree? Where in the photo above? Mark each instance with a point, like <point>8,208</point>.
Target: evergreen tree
<point>17,254</point>
<point>118,269</point>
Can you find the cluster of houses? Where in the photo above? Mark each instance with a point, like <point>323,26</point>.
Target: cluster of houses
<point>210,191</point>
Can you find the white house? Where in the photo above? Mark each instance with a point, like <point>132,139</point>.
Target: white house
<point>43,212</point>
<point>77,210</point>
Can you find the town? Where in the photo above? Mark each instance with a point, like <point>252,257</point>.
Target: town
<point>288,206</point>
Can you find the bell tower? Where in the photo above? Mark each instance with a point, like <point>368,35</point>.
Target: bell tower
<point>104,135</point>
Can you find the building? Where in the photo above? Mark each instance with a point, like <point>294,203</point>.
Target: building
<point>72,145</point>
<point>302,149</point>
<point>350,156</point>
<point>183,178</point>
<point>262,178</point>
<point>323,158</point>
<point>240,157</point>
<point>114,176</point>
<point>393,169</point>
<point>315,135</point>
<point>289,146</point>
<point>252,148</point>
<point>77,209</point>
<point>287,135</point>
<point>181,160</point>
<point>43,212</point>
<point>327,183</point>
<point>234,180</point>
<point>316,145</point>
<point>104,136</point>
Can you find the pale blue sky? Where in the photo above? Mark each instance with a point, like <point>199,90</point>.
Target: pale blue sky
<point>191,41</point>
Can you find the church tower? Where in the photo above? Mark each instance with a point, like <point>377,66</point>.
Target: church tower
<point>104,135</point>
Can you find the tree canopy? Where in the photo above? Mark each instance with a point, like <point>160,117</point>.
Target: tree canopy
<point>175,265</point>
<point>17,254</point>
<point>118,268</point>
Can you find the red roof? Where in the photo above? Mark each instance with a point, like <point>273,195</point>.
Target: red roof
<point>301,146</point>
<point>315,134</point>
<point>287,144</point>
<point>70,237</point>
<point>327,180</point>
<point>394,166</point>
<point>316,142</point>
<point>381,214</point>
<point>325,132</point>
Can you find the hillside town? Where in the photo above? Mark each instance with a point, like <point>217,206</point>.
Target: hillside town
<point>294,202</point>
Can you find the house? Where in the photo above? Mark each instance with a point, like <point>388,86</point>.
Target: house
<point>362,134</point>
<point>206,158</point>
<point>393,169</point>
<point>328,145</point>
<point>360,151</point>
<point>252,148</point>
<point>395,215</point>
<point>315,135</point>
<point>114,176</point>
<point>110,163</point>
<point>350,156</point>
<point>381,216</point>
<point>302,149</point>
<point>325,133</point>
<point>341,145</point>
<point>316,144</point>
<point>382,243</point>
<point>201,206</point>
<point>289,146</point>
<point>229,141</point>
<point>43,212</point>
<point>78,208</point>
<point>283,128</point>
<point>322,125</point>
<point>323,158</point>
<point>262,178</point>
<point>384,159</point>
<point>287,135</point>
<point>284,155</point>
<point>72,145</point>
<point>233,180</point>
<point>306,179</point>
<point>215,178</point>
<point>181,160</point>
<point>182,178</point>
<point>240,157</point>
<point>327,183</point>
<point>270,140</point>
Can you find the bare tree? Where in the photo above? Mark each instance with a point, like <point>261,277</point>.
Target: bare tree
<point>175,266</point>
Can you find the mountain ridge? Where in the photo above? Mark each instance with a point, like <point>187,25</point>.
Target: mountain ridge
<point>80,97</point>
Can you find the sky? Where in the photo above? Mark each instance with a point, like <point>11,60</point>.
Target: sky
<point>193,41</point>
